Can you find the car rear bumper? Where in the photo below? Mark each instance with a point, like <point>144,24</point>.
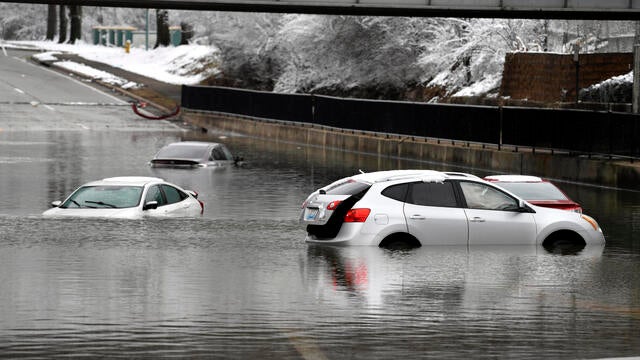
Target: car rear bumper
<point>349,234</point>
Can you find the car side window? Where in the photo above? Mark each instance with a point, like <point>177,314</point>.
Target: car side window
<point>396,192</point>
<point>154,194</point>
<point>218,154</point>
<point>172,194</point>
<point>432,194</point>
<point>482,196</point>
<point>227,153</point>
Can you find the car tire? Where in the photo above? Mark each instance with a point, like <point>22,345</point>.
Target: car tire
<point>400,241</point>
<point>564,242</point>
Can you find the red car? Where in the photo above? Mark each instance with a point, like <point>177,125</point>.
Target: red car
<point>535,190</point>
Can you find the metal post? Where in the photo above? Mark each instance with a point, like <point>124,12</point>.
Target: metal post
<point>636,79</point>
<point>576,60</point>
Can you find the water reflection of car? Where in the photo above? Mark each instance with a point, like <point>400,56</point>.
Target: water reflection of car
<point>446,276</point>
<point>535,190</point>
<point>128,197</point>
<point>193,154</point>
<point>423,207</point>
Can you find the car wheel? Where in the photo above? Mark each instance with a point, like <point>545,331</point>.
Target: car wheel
<point>564,242</point>
<point>400,242</point>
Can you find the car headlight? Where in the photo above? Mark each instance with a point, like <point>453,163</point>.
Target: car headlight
<point>591,221</point>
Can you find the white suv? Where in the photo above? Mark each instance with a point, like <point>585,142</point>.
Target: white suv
<point>424,207</point>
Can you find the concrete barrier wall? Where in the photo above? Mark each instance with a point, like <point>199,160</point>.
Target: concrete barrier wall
<point>506,160</point>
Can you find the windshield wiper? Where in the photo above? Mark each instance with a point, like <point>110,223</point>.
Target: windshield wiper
<point>100,203</point>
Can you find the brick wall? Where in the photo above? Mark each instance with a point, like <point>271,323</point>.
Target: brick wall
<point>543,76</point>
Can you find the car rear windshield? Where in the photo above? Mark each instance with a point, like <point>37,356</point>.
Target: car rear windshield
<point>183,152</point>
<point>534,190</point>
<point>349,187</point>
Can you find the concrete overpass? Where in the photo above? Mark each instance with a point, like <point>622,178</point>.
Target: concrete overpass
<point>532,9</point>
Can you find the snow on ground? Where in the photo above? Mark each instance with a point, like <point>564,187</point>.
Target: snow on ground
<point>185,64</point>
<point>621,79</point>
<point>92,73</point>
<point>482,87</point>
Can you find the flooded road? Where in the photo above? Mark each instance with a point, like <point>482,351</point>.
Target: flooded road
<point>241,283</point>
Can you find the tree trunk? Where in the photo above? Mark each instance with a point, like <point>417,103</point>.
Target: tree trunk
<point>52,22</point>
<point>186,33</point>
<point>76,23</point>
<point>163,38</point>
<point>63,25</point>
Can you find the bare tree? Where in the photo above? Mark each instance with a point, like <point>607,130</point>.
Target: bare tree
<point>76,23</point>
<point>52,21</point>
<point>163,38</point>
<point>63,24</point>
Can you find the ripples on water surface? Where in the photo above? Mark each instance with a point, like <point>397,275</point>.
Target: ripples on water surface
<point>240,282</point>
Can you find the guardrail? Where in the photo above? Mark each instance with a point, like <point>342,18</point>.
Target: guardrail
<point>576,132</point>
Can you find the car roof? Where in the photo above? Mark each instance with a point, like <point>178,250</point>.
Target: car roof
<point>514,178</point>
<point>194,143</point>
<point>126,180</point>
<point>418,175</point>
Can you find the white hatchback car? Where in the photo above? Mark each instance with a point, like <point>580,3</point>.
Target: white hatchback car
<point>423,207</point>
<point>131,197</point>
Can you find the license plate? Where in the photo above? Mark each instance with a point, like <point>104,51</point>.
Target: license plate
<point>311,214</point>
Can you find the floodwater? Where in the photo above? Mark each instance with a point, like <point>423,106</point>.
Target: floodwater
<point>240,282</point>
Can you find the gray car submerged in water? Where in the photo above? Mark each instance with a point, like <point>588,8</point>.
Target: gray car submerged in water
<point>192,154</point>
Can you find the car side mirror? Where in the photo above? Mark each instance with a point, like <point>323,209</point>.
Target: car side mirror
<point>56,203</point>
<point>523,207</point>
<point>150,205</point>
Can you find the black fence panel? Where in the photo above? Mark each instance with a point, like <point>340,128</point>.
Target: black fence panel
<point>466,123</point>
<point>625,134</point>
<point>460,122</point>
<point>290,107</point>
<point>550,128</point>
<point>573,130</point>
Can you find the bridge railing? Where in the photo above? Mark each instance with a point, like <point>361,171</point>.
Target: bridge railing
<point>573,131</point>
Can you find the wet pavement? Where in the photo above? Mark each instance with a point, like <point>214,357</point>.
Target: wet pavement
<point>241,283</point>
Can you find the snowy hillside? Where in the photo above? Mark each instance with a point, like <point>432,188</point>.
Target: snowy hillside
<point>426,59</point>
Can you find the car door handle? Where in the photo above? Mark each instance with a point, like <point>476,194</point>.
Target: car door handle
<point>417,217</point>
<point>477,219</point>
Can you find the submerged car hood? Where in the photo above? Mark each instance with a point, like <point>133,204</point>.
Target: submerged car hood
<point>128,213</point>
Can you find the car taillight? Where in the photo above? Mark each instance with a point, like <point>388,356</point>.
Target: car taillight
<point>357,215</point>
<point>333,205</point>
<point>201,207</point>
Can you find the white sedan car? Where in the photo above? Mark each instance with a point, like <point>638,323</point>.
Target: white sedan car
<point>129,197</point>
<point>423,207</point>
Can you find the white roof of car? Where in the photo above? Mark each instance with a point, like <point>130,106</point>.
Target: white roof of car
<point>126,180</point>
<point>514,178</point>
<point>393,175</point>
<point>194,143</point>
